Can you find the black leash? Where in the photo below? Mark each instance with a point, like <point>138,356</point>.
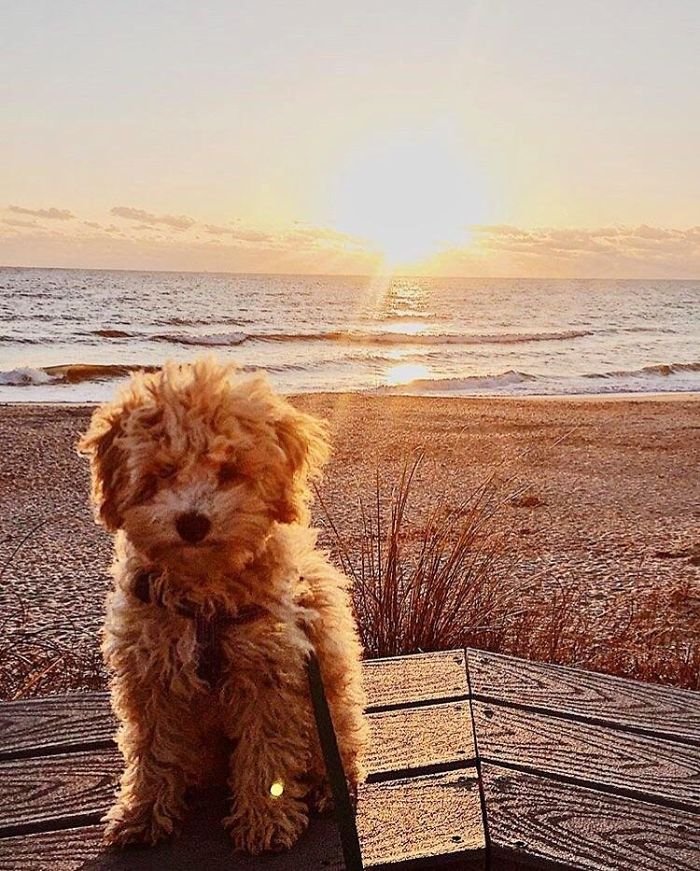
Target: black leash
<point>344,811</point>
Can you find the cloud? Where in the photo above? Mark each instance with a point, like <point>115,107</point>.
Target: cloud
<point>177,222</point>
<point>107,250</point>
<point>324,237</point>
<point>148,241</point>
<point>18,222</point>
<point>51,214</point>
<point>241,234</point>
<point>305,238</point>
<point>615,241</point>
<point>616,251</point>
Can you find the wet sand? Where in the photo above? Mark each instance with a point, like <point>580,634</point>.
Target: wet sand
<point>612,498</point>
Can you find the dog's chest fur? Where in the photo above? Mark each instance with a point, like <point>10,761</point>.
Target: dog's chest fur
<point>209,628</point>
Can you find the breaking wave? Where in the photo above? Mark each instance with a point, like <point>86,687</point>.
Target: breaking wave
<point>648,378</point>
<point>72,373</point>
<point>24,376</point>
<point>470,384</point>
<point>660,369</point>
<point>112,334</point>
<point>370,338</point>
<point>213,340</point>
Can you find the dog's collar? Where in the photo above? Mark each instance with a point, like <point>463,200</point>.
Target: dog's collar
<point>208,628</point>
<point>146,592</point>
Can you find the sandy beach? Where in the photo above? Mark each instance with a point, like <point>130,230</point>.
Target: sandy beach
<point>611,500</point>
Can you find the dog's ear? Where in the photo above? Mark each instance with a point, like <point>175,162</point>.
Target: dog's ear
<point>304,443</point>
<point>100,443</point>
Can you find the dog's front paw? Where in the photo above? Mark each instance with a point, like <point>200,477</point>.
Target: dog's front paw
<point>320,798</point>
<point>275,827</point>
<point>143,824</point>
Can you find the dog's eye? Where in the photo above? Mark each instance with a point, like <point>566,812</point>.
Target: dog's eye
<point>167,471</point>
<point>228,473</point>
<point>148,487</point>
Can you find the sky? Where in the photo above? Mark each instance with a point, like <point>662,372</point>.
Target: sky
<point>497,137</point>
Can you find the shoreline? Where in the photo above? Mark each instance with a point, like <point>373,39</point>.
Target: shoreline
<point>640,396</point>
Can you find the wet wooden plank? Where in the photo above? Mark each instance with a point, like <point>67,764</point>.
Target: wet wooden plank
<point>54,724</point>
<point>422,820</point>
<point>421,678</point>
<point>586,695</point>
<point>434,736</point>
<point>48,790</point>
<point>537,822</point>
<point>655,768</point>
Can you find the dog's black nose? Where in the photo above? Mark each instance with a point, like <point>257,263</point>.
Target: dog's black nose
<point>192,526</point>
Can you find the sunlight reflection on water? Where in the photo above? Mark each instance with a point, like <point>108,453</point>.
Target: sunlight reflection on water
<point>406,372</point>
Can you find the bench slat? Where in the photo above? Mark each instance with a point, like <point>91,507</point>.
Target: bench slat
<point>66,850</point>
<point>421,678</point>
<point>547,824</point>
<point>48,790</point>
<point>407,819</point>
<point>415,738</point>
<point>54,724</point>
<point>58,723</point>
<point>203,844</point>
<point>419,819</point>
<point>650,767</point>
<point>586,695</point>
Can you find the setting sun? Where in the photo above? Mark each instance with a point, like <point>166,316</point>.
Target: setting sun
<point>410,194</point>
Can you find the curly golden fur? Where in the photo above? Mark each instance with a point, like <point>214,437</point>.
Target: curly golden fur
<point>202,474</point>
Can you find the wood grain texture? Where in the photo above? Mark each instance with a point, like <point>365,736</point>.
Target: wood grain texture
<point>410,680</point>
<point>202,845</point>
<point>84,720</point>
<point>647,767</point>
<point>65,850</point>
<point>54,724</point>
<point>47,790</point>
<point>419,738</point>
<point>546,824</point>
<point>402,823</point>
<point>420,819</point>
<point>586,695</point>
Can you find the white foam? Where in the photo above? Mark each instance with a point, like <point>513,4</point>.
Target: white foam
<point>212,340</point>
<point>25,376</point>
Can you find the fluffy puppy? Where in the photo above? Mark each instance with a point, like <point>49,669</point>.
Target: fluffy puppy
<point>219,596</point>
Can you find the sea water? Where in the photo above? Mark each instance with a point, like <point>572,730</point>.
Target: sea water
<point>70,335</point>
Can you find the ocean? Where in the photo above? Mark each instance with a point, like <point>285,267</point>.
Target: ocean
<point>72,335</point>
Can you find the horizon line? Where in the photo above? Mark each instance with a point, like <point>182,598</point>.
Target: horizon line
<point>371,275</point>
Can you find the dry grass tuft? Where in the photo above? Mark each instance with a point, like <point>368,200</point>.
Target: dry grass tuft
<point>34,663</point>
<point>417,587</point>
<point>448,583</point>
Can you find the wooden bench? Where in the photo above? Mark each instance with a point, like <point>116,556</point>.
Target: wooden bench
<point>477,761</point>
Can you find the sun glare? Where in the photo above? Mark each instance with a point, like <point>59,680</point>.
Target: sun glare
<point>411,195</point>
<point>409,328</point>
